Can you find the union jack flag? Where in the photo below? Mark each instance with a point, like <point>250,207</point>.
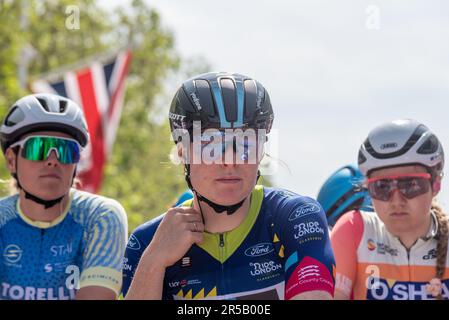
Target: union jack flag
<point>99,89</point>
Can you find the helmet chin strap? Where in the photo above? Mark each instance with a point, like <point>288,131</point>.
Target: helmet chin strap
<point>46,203</point>
<point>218,208</point>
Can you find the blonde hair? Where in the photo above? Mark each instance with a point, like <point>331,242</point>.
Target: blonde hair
<point>442,246</point>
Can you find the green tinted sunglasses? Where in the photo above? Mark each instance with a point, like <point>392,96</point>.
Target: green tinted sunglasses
<point>38,148</point>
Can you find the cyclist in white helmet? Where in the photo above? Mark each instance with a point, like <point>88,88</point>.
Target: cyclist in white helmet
<point>57,242</point>
<point>401,252</point>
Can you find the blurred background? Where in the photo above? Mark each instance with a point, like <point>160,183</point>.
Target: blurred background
<point>334,70</point>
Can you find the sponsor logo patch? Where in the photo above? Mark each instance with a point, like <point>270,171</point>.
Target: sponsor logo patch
<point>259,250</point>
<point>371,245</point>
<point>310,228</point>
<point>12,254</point>
<point>389,145</point>
<point>304,210</point>
<point>264,268</point>
<point>382,248</point>
<point>133,243</point>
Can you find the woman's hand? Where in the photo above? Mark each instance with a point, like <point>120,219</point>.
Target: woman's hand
<point>180,228</point>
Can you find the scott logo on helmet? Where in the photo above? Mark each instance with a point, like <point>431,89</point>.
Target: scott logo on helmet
<point>176,117</point>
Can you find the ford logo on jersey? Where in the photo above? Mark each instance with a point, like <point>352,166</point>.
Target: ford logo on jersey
<point>259,250</point>
<point>304,210</point>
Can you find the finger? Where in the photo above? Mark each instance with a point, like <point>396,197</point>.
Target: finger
<point>200,226</point>
<point>186,210</point>
<point>197,237</point>
<point>197,226</point>
<point>194,226</point>
<point>187,217</point>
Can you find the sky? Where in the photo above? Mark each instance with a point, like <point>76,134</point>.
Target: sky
<point>333,69</point>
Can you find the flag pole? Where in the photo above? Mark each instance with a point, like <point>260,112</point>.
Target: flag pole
<point>27,52</point>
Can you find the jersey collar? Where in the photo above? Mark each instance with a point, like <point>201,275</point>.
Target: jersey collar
<point>45,224</point>
<point>234,238</point>
<point>433,230</point>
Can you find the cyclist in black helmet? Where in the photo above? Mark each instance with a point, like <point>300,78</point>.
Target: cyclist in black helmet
<point>235,239</point>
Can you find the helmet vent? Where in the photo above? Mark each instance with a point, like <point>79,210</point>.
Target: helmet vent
<point>43,103</point>
<point>430,146</point>
<point>361,158</point>
<point>15,116</point>
<point>62,106</point>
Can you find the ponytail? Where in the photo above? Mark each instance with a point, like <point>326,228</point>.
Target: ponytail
<point>442,245</point>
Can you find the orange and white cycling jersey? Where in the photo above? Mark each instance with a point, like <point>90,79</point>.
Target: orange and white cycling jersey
<point>373,264</point>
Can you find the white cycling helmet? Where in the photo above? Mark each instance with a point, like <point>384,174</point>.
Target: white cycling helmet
<point>401,142</point>
<point>40,112</point>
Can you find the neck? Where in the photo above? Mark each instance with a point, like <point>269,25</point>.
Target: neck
<point>409,238</point>
<point>37,212</point>
<point>222,222</point>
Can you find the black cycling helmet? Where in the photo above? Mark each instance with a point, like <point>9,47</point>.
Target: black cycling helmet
<point>221,100</point>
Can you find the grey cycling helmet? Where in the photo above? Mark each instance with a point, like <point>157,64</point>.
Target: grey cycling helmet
<point>42,112</point>
<point>401,142</point>
<point>39,112</point>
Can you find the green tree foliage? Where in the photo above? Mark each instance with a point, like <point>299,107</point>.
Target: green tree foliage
<point>10,41</point>
<point>138,173</point>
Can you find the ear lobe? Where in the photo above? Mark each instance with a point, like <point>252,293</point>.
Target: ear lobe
<point>436,186</point>
<point>182,154</point>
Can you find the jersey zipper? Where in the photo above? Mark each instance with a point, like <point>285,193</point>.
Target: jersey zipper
<point>222,248</point>
<point>408,269</point>
<point>40,265</point>
<point>408,265</point>
<point>221,241</point>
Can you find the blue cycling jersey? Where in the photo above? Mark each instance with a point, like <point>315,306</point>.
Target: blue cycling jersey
<point>281,249</point>
<point>50,260</point>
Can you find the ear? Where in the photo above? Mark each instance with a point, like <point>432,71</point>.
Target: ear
<point>261,151</point>
<point>182,152</point>
<point>261,154</point>
<point>11,160</point>
<point>436,186</point>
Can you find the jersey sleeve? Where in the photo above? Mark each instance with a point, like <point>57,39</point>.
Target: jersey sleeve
<point>345,238</point>
<point>106,241</point>
<point>137,243</point>
<point>306,248</point>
